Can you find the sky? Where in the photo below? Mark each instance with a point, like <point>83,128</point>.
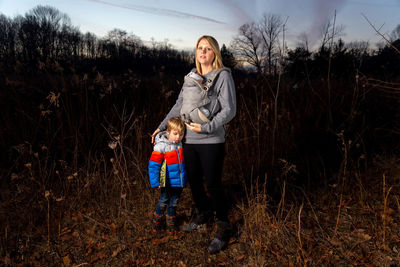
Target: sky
<point>182,22</point>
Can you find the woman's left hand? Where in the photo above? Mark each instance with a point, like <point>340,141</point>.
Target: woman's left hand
<point>194,127</point>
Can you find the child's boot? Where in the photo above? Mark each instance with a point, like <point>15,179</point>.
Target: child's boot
<point>158,222</point>
<point>171,225</point>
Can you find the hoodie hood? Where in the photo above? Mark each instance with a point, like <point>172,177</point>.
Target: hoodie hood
<point>162,137</point>
<point>163,145</point>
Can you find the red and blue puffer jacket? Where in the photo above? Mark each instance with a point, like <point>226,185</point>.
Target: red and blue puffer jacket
<point>172,153</point>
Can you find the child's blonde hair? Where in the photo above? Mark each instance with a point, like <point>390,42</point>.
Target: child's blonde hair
<point>176,124</point>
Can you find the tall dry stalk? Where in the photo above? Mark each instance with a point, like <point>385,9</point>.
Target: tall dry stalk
<point>299,232</point>
<point>330,119</point>
<point>119,161</point>
<point>282,60</point>
<point>385,197</point>
<point>380,34</point>
<point>47,196</point>
<point>343,173</point>
<point>299,226</point>
<point>281,205</point>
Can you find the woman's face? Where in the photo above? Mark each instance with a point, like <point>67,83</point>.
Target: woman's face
<point>204,53</point>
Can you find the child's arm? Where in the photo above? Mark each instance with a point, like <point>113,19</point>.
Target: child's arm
<point>155,163</point>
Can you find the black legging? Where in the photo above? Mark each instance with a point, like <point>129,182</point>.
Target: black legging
<point>206,160</point>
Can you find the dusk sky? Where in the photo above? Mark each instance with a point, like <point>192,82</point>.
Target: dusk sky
<point>181,22</point>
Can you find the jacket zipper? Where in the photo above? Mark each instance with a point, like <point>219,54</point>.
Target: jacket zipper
<point>180,167</point>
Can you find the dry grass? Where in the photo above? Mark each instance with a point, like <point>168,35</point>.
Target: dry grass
<point>77,194</point>
<point>309,232</point>
<point>100,218</point>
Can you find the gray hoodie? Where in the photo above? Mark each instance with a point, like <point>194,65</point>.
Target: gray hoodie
<point>212,132</point>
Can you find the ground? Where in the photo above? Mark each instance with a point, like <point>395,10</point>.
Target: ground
<point>353,223</point>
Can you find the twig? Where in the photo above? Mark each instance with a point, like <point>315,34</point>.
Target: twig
<point>313,211</point>
<point>384,82</point>
<point>383,85</point>
<point>299,227</point>
<point>319,225</point>
<point>380,34</point>
<point>398,203</point>
<point>277,93</point>
<point>47,196</point>
<point>338,214</point>
<point>99,223</point>
<point>343,174</point>
<point>281,204</point>
<point>330,119</point>
<point>385,197</point>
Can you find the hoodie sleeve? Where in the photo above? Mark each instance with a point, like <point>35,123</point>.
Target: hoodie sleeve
<point>174,112</point>
<point>227,99</point>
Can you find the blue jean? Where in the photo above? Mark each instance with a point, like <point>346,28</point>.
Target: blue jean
<point>169,198</point>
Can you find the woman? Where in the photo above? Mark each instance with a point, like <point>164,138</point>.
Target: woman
<point>203,146</point>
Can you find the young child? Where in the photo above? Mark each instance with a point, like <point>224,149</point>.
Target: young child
<point>167,171</point>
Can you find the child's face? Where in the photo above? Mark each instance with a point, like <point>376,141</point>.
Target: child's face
<point>174,136</point>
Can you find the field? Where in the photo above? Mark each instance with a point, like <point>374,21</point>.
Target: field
<point>312,166</point>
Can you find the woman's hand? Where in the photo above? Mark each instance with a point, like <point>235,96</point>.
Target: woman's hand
<point>194,127</point>
<point>153,136</point>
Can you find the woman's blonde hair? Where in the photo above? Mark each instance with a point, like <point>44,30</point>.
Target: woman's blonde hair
<point>217,63</point>
<point>176,124</point>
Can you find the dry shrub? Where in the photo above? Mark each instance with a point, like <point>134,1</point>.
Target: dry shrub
<point>334,228</point>
<point>269,238</point>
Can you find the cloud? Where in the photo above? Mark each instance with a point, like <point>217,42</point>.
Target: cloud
<point>158,11</point>
<point>239,12</point>
<point>237,9</point>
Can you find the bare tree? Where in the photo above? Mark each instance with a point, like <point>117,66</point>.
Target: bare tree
<point>114,41</point>
<point>49,22</point>
<point>133,42</point>
<point>7,38</point>
<point>257,43</point>
<point>269,28</point>
<point>117,36</point>
<point>358,48</point>
<point>120,40</point>
<point>28,35</point>
<point>90,45</point>
<point>330,31</point>
<point>248,45</point>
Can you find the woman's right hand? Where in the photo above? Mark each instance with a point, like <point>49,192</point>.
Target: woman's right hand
<point>153,136</point>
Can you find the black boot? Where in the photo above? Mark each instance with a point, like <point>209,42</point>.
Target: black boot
<point>221,237</point>
<point>198,222</point>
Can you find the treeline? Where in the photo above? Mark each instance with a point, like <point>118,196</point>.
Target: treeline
<point>262,45</point>
<point>46,35</point>
<point>65,95</point>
